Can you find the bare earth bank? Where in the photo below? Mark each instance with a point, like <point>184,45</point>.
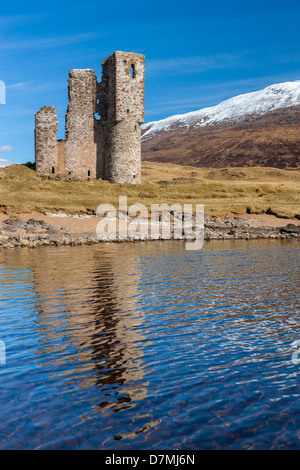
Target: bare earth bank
<point>34,229</point>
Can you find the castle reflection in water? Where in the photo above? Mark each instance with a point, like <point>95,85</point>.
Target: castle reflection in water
<point>85,302</point>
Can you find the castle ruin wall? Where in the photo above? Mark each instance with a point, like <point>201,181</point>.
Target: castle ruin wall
<point>103,124</point>
<point>46,149</point>
<point>121,106</point>
<point>61,166</point>
<point>80,143</point>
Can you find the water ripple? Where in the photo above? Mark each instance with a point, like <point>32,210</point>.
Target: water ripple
<point>147,346</point>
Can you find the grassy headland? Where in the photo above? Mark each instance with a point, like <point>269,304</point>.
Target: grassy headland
<point>222,191</point>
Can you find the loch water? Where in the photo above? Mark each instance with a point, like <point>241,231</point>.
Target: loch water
<point>149,346</point>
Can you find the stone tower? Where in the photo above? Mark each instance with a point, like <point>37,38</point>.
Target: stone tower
<point>121,107</point>
<point>46,148</point>
<point>109,147</point>
<point>80,145</point>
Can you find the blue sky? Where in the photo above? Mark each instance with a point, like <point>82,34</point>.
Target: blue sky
<point>197,54</point>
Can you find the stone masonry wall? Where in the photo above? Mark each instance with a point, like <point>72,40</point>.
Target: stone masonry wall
<point>80,144</point>
<point>100,143</point>
<point>46,149</point>
<point>130,78</point>
<point>61,167</point>
<point>123,152</point>
<point>121,107</point>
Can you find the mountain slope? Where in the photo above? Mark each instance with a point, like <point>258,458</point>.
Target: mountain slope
<point>260,128</point>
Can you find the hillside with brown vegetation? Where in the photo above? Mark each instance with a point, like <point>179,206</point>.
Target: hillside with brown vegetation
<point>271,140</point>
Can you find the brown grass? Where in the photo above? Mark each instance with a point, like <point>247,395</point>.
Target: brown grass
<point>269,141</point>
<point>222,191</point>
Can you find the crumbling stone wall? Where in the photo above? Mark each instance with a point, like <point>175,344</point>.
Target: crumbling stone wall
<point>103,123</point>
<point>121,106</point>
<point>46,151</point>
<point>61,166</point>
<point>80,145</point>
<point>100,144</point>
<point>123,153</point>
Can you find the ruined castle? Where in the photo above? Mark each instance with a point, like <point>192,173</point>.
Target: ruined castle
<point>103,124</point>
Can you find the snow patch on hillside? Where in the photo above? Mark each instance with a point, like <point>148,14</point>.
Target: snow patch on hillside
<point>235,109</point>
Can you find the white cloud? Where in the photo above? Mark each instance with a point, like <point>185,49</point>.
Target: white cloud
<point>6,148</point>
<point>194,64</point>
<point>17,85</point>
<point>12,20</point>
<point>4,162</point>
<point>44,43</point>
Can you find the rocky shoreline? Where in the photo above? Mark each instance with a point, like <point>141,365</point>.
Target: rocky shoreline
<point>33,232</point>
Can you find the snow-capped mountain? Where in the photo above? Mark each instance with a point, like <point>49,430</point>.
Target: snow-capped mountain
<point>4,162</point>
<point>258,128</point>
<point>235,109</point>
